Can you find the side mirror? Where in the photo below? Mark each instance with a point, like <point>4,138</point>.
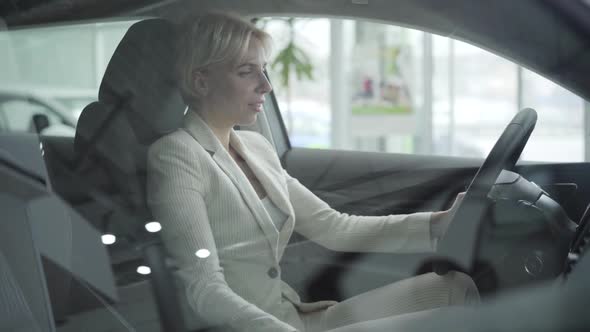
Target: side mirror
<point>39,122</point>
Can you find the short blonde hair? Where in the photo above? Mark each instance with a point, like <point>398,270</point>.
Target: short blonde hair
<point>209,39</point>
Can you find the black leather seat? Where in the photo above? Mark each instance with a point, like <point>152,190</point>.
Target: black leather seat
<point>15,313</point>
<point>138,102</point>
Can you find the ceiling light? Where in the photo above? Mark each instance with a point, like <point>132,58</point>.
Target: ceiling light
<point>153,227</point>
<point>203,253</point>
<point>108,239</point>
<point>144,270</point>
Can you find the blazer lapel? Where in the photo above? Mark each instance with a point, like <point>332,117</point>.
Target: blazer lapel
<point>276,193</point>
<point>197,128</point>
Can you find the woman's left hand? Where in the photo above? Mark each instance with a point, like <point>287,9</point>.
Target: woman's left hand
<point>441,220</point>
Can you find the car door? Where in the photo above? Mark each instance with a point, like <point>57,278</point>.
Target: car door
<point>445,135</point>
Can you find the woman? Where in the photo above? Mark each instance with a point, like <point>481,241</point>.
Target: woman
<point>228,209</point>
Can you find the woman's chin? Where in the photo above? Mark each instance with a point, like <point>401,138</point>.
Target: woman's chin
<point>250,120</point>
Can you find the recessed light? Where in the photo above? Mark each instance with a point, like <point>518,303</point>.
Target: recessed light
<point>153,227</point>
<point>203,253</point>
<point>144,270</point>
<point>108,239</point>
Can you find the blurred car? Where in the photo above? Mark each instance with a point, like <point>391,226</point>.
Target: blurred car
<point>20,111</point>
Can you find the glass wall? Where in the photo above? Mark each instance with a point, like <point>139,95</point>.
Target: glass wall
<point>62,63</point>
<point>341,84</point>
<point>477,97</point>
<point>559,133</point>
<point>407,91</point>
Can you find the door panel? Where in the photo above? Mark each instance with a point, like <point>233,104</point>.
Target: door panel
<point>364,183</point>
<point>377,183</point>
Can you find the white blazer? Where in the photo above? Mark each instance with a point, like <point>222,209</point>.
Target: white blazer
<point>226,246</point>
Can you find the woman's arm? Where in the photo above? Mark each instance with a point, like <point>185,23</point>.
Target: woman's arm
<point>320,223</point>
<point>441,220</point>
<point>176,199</point>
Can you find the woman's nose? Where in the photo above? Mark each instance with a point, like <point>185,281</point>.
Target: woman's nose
<point>264,85</point>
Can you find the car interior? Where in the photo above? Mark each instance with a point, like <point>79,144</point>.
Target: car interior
<point>59,276</point>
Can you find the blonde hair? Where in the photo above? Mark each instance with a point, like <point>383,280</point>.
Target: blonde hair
<point>209,39</point>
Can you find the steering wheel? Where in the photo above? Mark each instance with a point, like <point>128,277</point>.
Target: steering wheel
<point>458,247</point>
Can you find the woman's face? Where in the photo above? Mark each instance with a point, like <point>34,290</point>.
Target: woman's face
<point>235,92</point>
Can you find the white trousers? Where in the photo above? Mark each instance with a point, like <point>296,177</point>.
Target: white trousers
<point>377,309</point>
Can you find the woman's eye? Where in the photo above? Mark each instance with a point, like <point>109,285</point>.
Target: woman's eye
<point>244,73</point>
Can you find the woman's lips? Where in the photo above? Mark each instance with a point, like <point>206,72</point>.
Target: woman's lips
<point>257,106</point>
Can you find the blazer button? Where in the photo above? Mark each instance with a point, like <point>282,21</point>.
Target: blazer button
<point>272,272</point>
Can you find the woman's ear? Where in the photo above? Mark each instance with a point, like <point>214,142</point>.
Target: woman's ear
<point>200,83</point>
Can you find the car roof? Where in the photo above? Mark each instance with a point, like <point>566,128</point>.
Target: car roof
<point>546,36</point>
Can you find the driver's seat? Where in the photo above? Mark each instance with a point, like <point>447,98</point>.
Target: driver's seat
<point>138,102</point>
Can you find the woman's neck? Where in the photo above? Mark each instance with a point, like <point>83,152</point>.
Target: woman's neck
<point>220,129</point>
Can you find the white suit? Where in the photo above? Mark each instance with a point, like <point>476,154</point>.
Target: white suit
<point>205,202</point>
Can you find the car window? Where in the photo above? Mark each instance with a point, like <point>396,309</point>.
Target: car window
<point>63,63</point>
<point>361,85</point>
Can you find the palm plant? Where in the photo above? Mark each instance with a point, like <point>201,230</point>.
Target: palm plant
<point>291,59</point>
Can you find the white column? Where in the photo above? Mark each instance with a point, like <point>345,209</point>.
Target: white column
<point>99,60</point>
<point>451,133</point>
<point>424,141</point>
<point>339,96</point>
<point>586,131</point>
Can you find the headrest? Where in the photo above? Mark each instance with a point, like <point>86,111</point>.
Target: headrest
<point>116,144</point>
<point>140,80</point>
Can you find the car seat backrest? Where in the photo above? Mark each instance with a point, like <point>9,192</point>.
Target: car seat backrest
<point>138,102</point>
<point>15,312</point>
<point>24,298</point>
<point>141,78</point>
<point>44,240</point>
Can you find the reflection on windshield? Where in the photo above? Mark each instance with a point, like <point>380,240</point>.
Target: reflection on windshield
<point>79,233</point>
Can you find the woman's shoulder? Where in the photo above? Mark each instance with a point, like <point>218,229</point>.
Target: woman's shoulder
<point>255,140</point>
<point>175,138</point>
<point>178,142</point>
<point>260,147</point>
